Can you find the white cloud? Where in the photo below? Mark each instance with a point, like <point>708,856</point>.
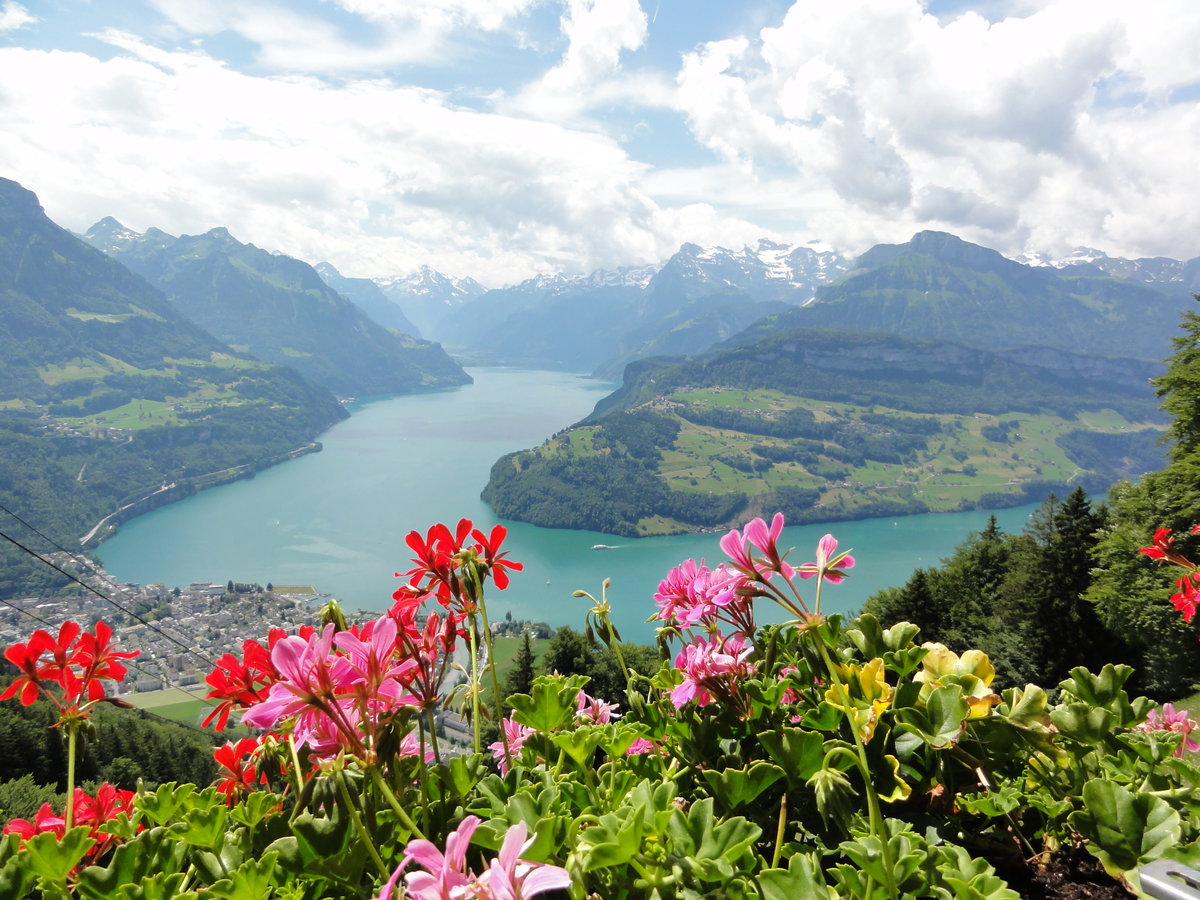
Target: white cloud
<point>376,178</point>
<point>411,31</point>
<point>997,130</point>
<point>13,16</point>
<point>589,73</point>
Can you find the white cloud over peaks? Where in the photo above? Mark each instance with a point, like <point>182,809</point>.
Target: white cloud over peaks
<point>376,178</point>
<point>13,16</point>
<point>962,123</point>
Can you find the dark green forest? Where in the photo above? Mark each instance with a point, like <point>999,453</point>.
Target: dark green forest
<point>127,745</point>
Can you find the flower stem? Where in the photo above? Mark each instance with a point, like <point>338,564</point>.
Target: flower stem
<point>779,831</point>
<point>69,812</point>
<point>497,700</point>
<point>474,681</point>
<point>864,767</point>
<point>356,820</point>
<point>433,741</point>
<point>404,817</point>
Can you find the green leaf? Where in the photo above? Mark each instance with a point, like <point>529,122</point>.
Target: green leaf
<point>163,805</point>
<point>1125,829</point>
<point>162,886</point>
<point>254,808</point>
<point>252,880</point>
<point>52,859</point>
<point>321,837</point>
<point>581,743</point>
<point>1082,722</point>
<point>1025,707</point>
<point>15,876</point>
<point>205,827</point>
<point>551,703</point>
<point>738,787</point>
<point>947,713</point>
<point>156,851</point>
<point>802,878</point>
<point>709,849</point>
<point>798,752</point>
<point>611,842</point>
<point>1098,690</point>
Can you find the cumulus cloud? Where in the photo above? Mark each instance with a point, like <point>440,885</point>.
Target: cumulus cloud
<point>1031,128</point>
<point>375,177</point>
<point>589,74</point>
<point>13,16</point>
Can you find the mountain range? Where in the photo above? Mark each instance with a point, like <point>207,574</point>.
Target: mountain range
<point>277,308</point>
<point>111,398</point>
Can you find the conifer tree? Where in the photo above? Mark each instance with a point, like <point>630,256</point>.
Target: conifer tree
<point>520,677</point>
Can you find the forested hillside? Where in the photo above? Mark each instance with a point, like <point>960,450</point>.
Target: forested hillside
<point>108,394</point>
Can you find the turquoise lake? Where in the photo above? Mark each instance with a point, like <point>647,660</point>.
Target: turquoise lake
<point>336,520</point>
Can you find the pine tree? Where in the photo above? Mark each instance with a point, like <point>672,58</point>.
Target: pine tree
<point>519,679</point>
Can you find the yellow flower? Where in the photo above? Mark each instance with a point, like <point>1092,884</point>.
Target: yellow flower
<point>973,671</point>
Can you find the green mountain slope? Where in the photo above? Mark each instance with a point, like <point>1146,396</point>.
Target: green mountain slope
<point>833,425</point>
<point>277,308</point>
<point>109,395</point>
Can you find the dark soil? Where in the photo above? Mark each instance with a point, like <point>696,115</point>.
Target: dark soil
<point>1071,874</point>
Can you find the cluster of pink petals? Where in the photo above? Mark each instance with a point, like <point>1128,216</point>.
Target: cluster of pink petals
<point>829,565</point>
<point>1167,718</point>
<point>334,697</point>
<point>693,594</point>
<point>446,876</point>
<point>515,734</point>
<point>642,746</point>
<point>711,669</point>
<point>594,711</point>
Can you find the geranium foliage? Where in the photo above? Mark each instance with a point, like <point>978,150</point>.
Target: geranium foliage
<point>815,758</point>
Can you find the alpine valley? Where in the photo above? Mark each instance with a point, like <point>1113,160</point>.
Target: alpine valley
<point>114,401</point>
<point>929,376</point>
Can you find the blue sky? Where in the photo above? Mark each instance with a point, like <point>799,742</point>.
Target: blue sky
<point>502,138</point>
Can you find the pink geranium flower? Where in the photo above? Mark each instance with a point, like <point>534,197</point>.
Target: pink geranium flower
<point>446,876</point>
<point>592,710</point>
<point>515,734</point>
<point>830,565</point>
<point>711,669</point>
<point>1167,718</point>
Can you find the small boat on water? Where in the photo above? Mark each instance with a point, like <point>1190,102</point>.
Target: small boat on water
<point>603,547</point>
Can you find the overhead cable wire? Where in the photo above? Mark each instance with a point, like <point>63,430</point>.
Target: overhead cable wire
<point>131,664</point>
<point>208,662</point>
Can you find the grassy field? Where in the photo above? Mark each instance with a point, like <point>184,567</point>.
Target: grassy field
<point>179,704</point>
<point>958,466</point>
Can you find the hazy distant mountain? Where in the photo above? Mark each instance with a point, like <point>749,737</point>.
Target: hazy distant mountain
<point>368,296</point>
<point>1156,271</point>
<point>938,286</point>
<point>427,296</point>
<point>277,308</point>
<point>554,322</point>
<point>602,320</point>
